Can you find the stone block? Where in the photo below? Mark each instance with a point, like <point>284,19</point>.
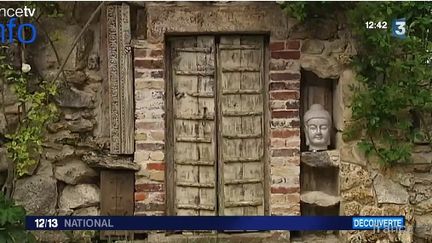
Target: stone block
<point>82,125</point>
<point>424,207</point>
<point>207,18</point>
<point>361,194</point>
<point>57,155</point>
<point>352,175</point>
<point>423,227</point>
<point>88,211</point>
<point>74,172</point>
<point>323,67</point>
<point>388,191</point>
<point>37,194</point>
<point>350,208</point>
<point>74,98</point>
<point>312,47</point>
<point>79,196</point>
<point>113,162</point>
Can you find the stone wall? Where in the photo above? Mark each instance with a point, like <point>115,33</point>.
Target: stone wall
<point>63,183</point>
<point>366,188</point>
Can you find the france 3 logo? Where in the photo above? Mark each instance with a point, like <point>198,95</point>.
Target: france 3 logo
<point>399,28</point>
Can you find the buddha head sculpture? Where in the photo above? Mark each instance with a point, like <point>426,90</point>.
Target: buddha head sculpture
<point>317,122</point>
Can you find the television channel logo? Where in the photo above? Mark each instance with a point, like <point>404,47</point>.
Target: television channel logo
<point>399,28</point>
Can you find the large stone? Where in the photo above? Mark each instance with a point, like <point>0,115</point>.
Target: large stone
<point>423,228</point>
<point>323,67</point>
<point>82,125</point>
<point>421,158</point>
<point>312,47</point>
<point>361,194</point>
<point>351,153</point>
<point>74,98</point>
<point>352,175</point>
<point>420,192</point>
<point>51,236</point>
<point>341,111</point>
<point>424,207</point>
<point>79,196</point>
<point>3,123</point>
<point>76,77</point>
<point>89,211</point>
<point>351,208</point>
<point>38,194</point>
<point>394,209</point>
<point>58,155</point>
<point>45,168</point>
<point>110,162</point>
<point>336,46</point>
<point>74,172</point>
<point>63,137</point>
<point>10,98</point>
<point>388,191</point>
<point>371,210</point>
<point>251,17</point>
<point>3,159</point>
<point>422,149</point>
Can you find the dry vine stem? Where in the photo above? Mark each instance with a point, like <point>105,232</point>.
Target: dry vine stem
<point>77,39</point>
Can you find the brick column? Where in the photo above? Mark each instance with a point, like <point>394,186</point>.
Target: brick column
<point>150,128</point>
<point>284,127</point>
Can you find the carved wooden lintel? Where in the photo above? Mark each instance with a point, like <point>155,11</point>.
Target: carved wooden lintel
<point>120,78</point>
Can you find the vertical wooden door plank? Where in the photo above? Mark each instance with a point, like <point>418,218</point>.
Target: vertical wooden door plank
<point>192,79</point>
<point>242,117</point>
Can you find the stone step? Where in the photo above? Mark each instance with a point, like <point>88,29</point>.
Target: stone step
<point>311,238</point>
<point>319,198</point>
<point>249,237</point>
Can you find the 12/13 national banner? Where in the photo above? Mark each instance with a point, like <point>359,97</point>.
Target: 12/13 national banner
<point>303,223</point>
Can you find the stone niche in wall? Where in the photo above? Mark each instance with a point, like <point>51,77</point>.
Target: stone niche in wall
<point>319,171</point>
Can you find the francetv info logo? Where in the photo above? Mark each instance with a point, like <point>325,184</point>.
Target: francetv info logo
<point>14,28</point>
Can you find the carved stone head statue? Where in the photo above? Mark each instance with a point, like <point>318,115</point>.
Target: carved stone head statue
<point>317,122</point>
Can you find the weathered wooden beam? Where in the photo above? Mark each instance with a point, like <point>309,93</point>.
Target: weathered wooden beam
<point>120,79</point>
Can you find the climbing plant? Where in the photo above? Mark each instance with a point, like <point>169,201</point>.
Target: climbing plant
<point>25,143</point>
<point>392,105</point>
<point>12,223</point>
<point>37,106</point>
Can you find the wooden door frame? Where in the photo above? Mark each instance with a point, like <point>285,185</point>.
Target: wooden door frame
<point>169,118</point>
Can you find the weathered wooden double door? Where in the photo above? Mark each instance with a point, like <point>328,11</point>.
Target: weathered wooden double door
<point>216,125</point>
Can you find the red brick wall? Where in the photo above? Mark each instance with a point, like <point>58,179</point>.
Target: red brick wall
<point>284,88</point>
<point>150,129</point>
